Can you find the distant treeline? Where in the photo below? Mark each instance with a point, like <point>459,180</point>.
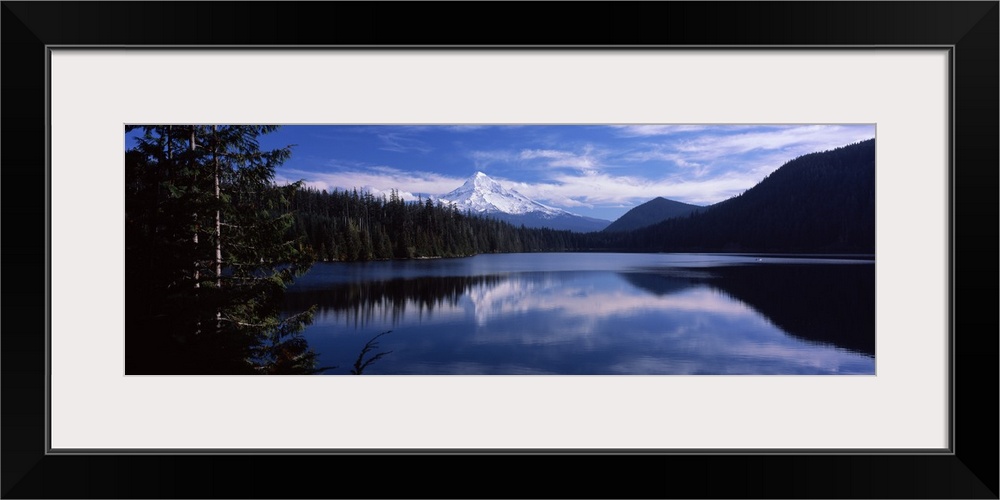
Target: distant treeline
<point>817,203</point>
<point>352,226</point>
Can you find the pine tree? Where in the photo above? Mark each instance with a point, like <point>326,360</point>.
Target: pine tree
<point>209,252</point>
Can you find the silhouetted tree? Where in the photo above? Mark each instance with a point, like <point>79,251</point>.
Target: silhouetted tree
<point>210,248</point>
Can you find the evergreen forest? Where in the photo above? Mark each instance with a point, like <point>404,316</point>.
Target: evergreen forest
<point>352,226</point>
<point>208,253</point>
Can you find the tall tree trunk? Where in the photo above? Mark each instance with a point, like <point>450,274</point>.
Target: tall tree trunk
<point>197,264</point>
<point>197,275</point>
<point>170,147</point>
<point>218,212</point>
<point>218,222</point>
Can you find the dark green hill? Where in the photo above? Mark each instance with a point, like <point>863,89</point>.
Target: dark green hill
<point>817,203</point>
<point>653,211</point>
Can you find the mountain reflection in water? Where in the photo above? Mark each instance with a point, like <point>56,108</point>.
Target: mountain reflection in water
<point>732,319</point>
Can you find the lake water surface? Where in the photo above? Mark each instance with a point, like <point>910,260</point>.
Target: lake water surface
<point>595,314</point>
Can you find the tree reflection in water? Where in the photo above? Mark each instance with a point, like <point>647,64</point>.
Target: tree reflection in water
<point>387,299</point>
<point>829,304</point>
<point>591,322</point>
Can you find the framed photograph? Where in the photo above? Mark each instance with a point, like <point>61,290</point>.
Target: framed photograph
<point>828,360</point>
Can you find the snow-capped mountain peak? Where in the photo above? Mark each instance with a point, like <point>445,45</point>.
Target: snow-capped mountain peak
<point>481,179</point>
<point>481,194</point>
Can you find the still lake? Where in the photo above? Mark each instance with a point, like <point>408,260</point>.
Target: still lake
<point>594,314</point>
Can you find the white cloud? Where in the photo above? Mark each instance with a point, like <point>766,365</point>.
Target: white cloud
<point>606,190</point>
<point>691,168</point>
<point>400,143</point>
<point>654,130</point>
<point>464,128</point>
<point>794,141</point>
<point>483,159</point>
<point>589,160</point>
<point>377,180</point>
<point>529,154</point>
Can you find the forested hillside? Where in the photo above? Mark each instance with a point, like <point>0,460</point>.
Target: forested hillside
<point>820,202</point>
<point>350,226</point>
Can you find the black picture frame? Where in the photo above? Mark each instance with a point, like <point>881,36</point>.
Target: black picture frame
<point>969,470</point>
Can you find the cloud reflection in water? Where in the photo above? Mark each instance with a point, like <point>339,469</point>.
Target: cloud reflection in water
<point>567,322</point>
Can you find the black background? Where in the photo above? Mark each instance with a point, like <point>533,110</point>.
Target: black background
<point>971,472</point>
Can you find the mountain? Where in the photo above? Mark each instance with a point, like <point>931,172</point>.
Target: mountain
<point>653,211</point>
<point>482,195</point>
<point>821,202</point>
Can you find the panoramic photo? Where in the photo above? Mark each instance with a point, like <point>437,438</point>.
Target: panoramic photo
<point>674,249</point>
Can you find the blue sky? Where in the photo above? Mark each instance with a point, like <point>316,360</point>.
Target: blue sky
<point>597,171</point>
